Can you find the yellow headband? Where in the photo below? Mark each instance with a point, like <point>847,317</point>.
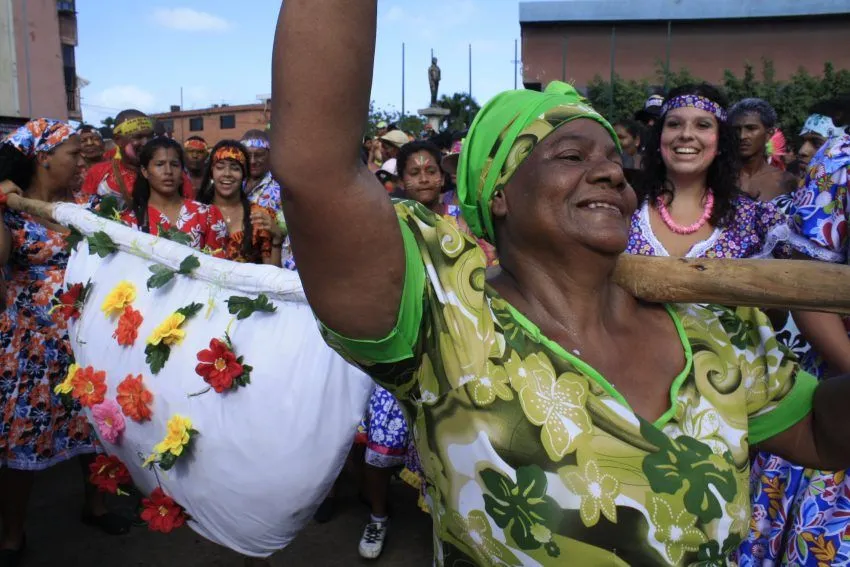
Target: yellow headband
<point>133,126</point>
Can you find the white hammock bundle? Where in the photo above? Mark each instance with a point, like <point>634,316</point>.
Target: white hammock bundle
<point>265,454</point>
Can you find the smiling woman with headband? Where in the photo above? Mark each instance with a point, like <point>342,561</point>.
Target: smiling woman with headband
<point>224,187</point>
<point>558,418</point>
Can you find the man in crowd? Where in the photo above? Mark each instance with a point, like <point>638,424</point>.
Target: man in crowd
<point>755,121</point>
<point>133,129</point>
<point>391,143</point>
<point>195,152</point>
<point>651,111</point>
<point>262,188</point>
<point>828,119</point>
<point>91,145</point>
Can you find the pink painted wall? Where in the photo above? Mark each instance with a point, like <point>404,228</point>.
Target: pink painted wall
<point>46,75</point>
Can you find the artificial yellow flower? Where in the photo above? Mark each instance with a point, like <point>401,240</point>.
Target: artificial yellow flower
<point>66,387</point>
<point>169,331</point>
<point>178,436</point>
<point>120,297</point>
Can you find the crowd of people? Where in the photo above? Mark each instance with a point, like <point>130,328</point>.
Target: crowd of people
<point>542,413</point>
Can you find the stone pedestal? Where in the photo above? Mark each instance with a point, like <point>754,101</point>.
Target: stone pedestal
<point>435,116</point>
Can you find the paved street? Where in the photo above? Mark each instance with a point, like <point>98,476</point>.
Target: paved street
<point>57,538</point>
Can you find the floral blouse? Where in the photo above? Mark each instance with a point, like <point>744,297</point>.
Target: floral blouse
<point>756,230</point>
<point>531,457</point>
<point>203,223</point>
<point>262,242</point>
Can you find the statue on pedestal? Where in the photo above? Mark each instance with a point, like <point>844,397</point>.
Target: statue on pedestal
<point>434,80</point>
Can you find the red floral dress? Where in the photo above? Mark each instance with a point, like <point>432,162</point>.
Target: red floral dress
<point>203,223</point>
<point>36,430</point>
<point>262,242</point>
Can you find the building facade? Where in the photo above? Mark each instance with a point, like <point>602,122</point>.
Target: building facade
<point>220,122</point>
<point>38,39</point>
<point>576,40</point>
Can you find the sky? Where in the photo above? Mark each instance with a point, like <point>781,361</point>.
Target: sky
<point>141,54</point>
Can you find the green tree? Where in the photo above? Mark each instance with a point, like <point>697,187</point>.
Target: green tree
<point>408,123</point>
<point>627,97</point>
<point>463,109</point>
<point>109,122</point>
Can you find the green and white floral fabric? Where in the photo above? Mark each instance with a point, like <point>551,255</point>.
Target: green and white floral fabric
<point>532,458</point>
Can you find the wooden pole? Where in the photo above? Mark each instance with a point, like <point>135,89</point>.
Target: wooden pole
<point>31,206</point>
<point>779,284</point>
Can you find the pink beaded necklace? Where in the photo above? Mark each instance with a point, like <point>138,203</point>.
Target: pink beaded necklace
<point>691,228</point>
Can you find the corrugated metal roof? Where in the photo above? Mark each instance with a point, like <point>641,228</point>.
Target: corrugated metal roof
<point>663,10</point>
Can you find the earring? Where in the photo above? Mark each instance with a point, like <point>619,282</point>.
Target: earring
<point>46,165</point>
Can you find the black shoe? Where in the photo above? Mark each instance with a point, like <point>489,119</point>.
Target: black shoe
<point>13,557</point>
<point>109,523</point>
<point>325,513</point>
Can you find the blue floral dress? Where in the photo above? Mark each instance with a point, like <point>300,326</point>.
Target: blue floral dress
<point>36,429</point>
<point>802,516</point>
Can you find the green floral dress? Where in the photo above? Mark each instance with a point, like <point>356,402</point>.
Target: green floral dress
<point>532,458</point>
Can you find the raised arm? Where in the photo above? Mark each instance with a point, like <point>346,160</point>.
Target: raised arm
<point>345,235</point>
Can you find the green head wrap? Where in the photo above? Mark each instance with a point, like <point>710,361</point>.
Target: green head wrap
<point>503,134</point>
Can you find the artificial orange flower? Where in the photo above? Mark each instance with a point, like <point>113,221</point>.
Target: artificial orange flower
<point>128,326</point>
<point>89,386</point>
<point>134,398</point>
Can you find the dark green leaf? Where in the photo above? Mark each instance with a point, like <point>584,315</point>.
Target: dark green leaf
<point>175,235</point>
<point>157,356</point>
<point>101,244</point>
<point>244,307</point>
<point>73,238</point>
<point>109,207</point>
<point>161,276</point>
<point>190,310</point>
<point>688,462</point>
<point>188,264</point>
<point>497,483</point>
<point>167,460</point>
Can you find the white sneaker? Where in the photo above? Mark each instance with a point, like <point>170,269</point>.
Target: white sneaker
<point>372,542</point>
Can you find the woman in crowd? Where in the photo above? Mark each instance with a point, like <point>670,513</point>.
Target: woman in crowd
<point>223,186</point>
<point>385,430</point>
<point>800,516</point>
<point>691,205</point>
<point>37,430</point>
<point>159,205</point>
<point>629,135</point>
<point>557,417</point>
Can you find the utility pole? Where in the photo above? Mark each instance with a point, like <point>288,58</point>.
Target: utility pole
<point>613,65</point>
<point>402,79</point>
<point>516,62</point>
<point>470,70</point>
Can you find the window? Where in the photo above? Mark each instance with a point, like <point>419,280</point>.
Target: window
<point>196,124</point>
<point>227,121</point>
<point>166,124</point>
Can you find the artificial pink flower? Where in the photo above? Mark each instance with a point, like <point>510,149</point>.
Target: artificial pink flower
<point>109,420</point>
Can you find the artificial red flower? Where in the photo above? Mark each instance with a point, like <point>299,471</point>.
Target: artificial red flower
<point>218,366</point>
<point>134,398</point>
<point>68,302</point>
<point>128,326</point>
<point>108,473</point>
<point>162,513</point>
<point>89,386</point>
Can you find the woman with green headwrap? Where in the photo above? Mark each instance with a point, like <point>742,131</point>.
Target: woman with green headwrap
<point>559,420</point>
